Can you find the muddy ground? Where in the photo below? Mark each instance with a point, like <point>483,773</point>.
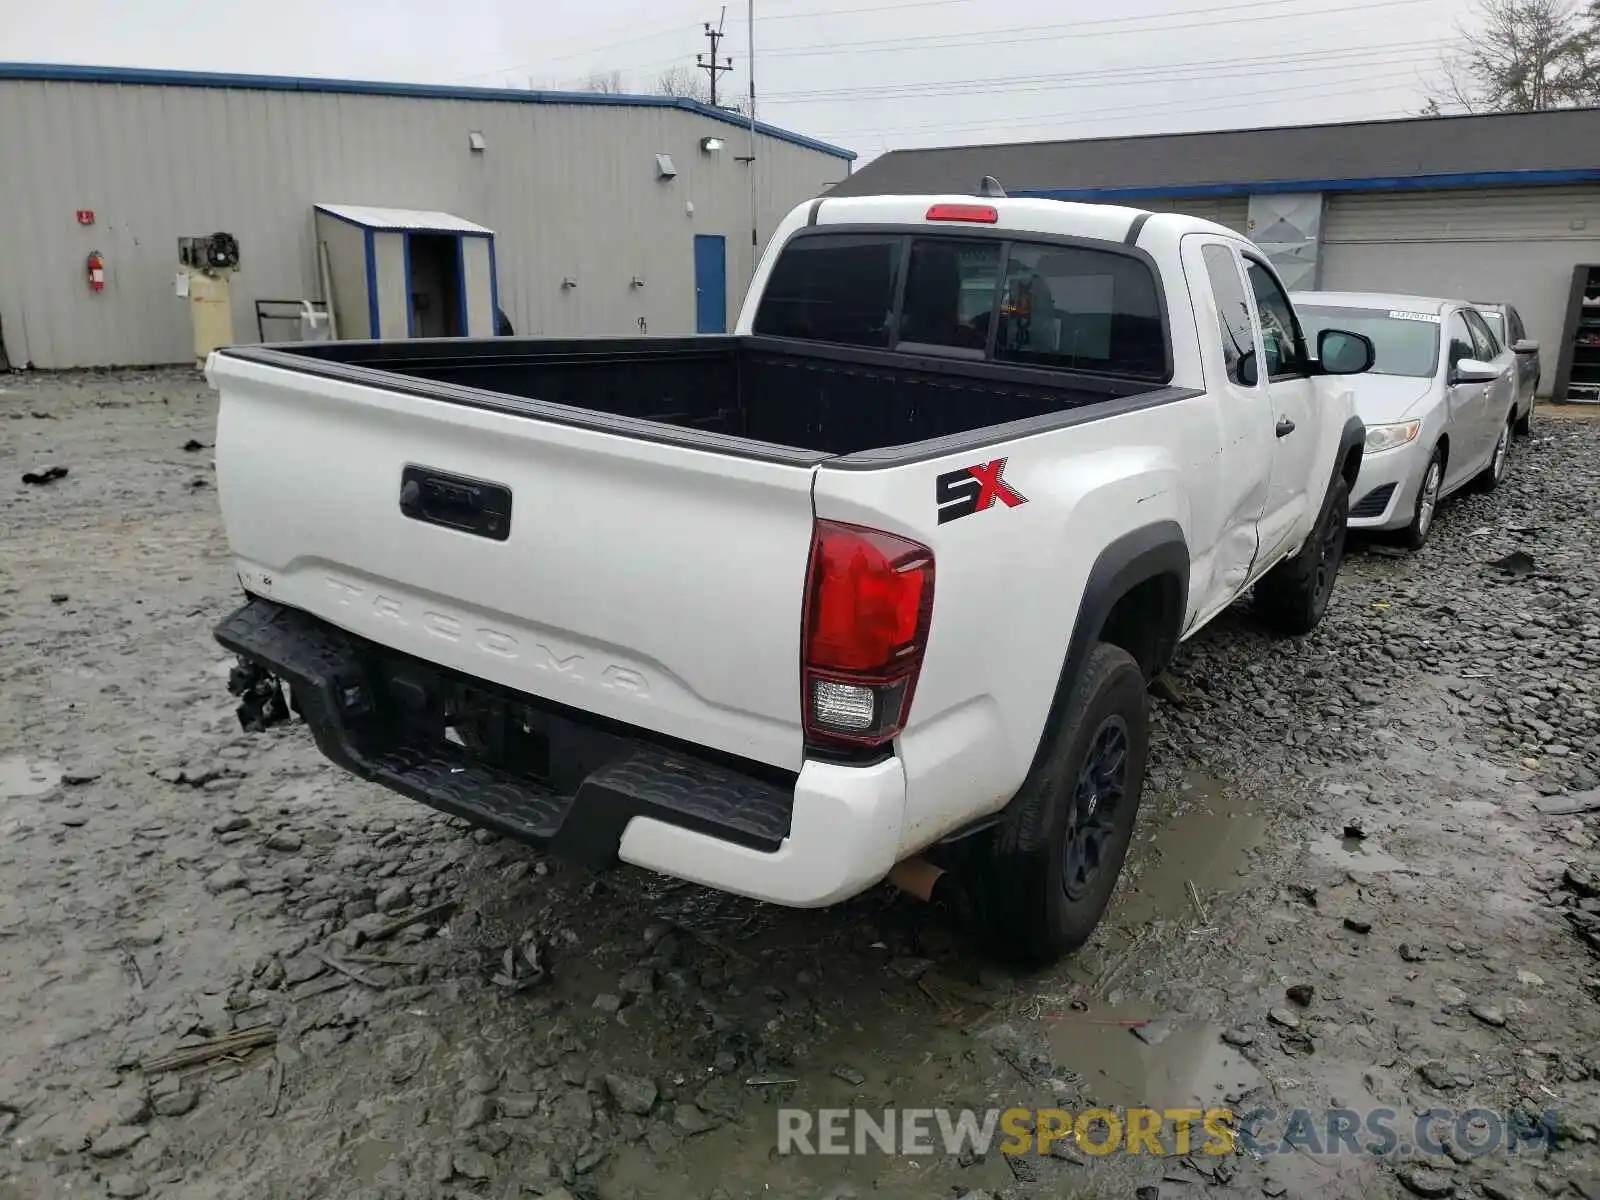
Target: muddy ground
<point>165,878</point>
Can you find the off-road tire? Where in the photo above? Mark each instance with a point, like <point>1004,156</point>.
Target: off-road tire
<point>1028,908</point>
<point>1292,597</point>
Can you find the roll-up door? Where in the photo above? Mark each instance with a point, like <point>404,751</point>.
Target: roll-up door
<point>1516,245</point>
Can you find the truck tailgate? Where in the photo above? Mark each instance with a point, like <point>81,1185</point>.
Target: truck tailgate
<point>643,581</point>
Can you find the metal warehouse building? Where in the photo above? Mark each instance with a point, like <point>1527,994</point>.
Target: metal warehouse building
<point>1499,207</point>
<point>571,212</point>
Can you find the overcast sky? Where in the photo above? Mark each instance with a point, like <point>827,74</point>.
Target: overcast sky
<point>868,74</point>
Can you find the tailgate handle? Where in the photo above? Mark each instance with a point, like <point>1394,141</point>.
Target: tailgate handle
<point>475,506</point>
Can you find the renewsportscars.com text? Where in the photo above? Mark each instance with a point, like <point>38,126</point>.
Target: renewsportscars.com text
<point>1377,1132</point>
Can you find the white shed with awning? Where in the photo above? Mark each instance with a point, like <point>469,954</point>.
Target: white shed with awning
<point>402,272</point>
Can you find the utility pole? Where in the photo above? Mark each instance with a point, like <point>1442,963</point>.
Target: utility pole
<point>712,66</point>
<point>750,21</point>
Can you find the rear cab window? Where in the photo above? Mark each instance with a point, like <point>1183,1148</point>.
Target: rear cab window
<point>833,288</point>
<point>1051,304</point>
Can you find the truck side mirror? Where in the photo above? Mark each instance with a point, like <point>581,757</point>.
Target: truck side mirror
<point>1525,346</point>
<point>1342,353</point>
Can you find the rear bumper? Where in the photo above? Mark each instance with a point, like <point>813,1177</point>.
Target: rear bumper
<point>599,794</point>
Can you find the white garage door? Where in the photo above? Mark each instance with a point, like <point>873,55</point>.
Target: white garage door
<point>1232,211</point>
<point>1513,244</point>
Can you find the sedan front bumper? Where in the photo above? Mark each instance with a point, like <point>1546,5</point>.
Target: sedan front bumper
<point>1385,495</point>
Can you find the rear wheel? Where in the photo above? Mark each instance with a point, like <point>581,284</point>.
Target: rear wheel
<point>1055,861</point>
<point>1427,502</point>
<point>1292,597</point>
<point>1499,463</point>
<point>1524,424</point>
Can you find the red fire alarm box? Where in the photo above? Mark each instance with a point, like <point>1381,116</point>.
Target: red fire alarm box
<point>86,216</point>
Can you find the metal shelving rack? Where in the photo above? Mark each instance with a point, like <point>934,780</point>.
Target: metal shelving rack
<point>1578,369</point>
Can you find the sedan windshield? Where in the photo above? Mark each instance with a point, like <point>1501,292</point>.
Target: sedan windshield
<point>1403,343</point>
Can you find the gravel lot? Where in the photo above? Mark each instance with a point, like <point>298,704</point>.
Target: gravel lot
<point>165,878</point>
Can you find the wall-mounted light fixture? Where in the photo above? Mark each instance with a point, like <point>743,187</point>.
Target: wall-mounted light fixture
<point>570,281</point>
<point>475,141</point>
<point>710,145</point>
<point>636,282</point>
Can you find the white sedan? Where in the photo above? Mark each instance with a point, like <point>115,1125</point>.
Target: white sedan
<point>1439,403</point>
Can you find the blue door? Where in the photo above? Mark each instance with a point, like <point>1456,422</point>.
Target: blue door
<point>710,283</point>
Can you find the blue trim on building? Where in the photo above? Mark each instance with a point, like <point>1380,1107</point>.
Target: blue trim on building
<point>372,285</point>
<point>405,257</point>
<point>461,287</point>
<point>61,73</point>
<point>1387,183</point>
<point>494,287</point>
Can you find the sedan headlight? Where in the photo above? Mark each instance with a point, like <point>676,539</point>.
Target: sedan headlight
<point>1390,437</point>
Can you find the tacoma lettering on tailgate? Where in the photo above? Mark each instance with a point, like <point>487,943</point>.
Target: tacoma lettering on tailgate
<point>571,666</point>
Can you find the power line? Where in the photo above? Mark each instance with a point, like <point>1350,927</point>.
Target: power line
<point>1189,105</point>
<point>1077,31</point>
<point>1038,33</point>
<point>1309,60</point>
<point>654,34</point>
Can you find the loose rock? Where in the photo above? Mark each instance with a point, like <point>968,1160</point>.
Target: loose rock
<point>474,1111</point>
<point>1426,1181</point>
<point>1489,1014</point>
<point>119,1139</point>
<point>632,1093</point>
<point>226,879</point>
<point>175,1104</point>
<point>690,1120</point>
<point>1438,1075</point>
<point>472,1163</point>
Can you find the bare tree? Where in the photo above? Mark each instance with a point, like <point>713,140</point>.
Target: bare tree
<point>1520,56</point>
<point>690,83</point>
<point>683,81</point>
<point>607,82</point>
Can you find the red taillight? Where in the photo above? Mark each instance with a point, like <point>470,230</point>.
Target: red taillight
<point>982,214</point>
<point>869,598</point>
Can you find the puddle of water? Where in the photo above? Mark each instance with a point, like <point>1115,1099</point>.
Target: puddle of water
<point>1205,831</point>
<point>1361,855</point>
<point>1188,1064</point>
<point>21,776</point>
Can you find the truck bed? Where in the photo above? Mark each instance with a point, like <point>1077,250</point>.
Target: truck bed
<point>817,401</point>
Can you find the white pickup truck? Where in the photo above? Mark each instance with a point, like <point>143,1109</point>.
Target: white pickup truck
<point>883,575</point>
